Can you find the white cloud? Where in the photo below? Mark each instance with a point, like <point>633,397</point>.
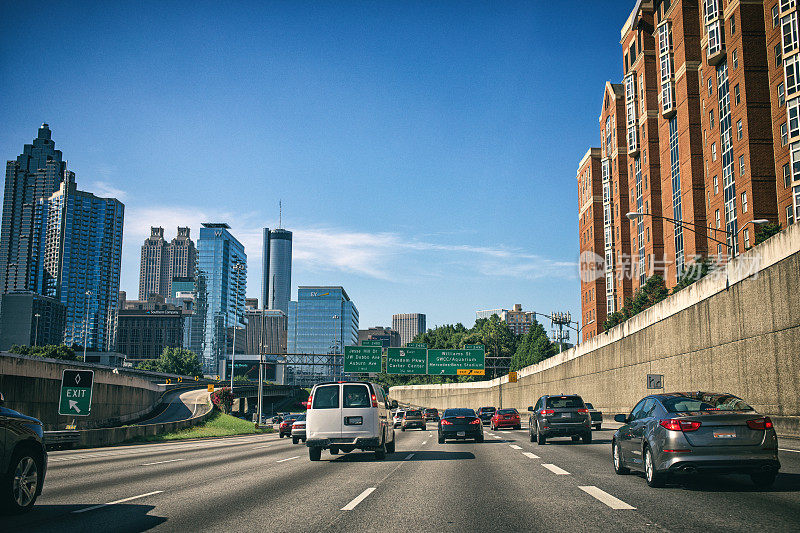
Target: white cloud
<point>104,189</point>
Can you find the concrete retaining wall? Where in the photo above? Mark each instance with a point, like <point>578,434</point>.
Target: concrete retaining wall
<point>31,385</point>
<point>738,333</point>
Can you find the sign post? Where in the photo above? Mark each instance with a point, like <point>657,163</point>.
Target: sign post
<point>76,392</point>
<point>456,362</point>
<point>362,359</point>
<point>407,361</point>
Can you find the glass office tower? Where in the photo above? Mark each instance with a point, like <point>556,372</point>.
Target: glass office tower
<point>220,292</point>
<point>276,285</point>
<point>323,320</point>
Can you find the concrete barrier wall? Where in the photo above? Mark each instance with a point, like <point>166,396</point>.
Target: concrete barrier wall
<point>738,333</point>
<point>31,385</point>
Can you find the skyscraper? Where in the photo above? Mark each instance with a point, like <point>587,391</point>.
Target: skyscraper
<point>78,237</point>
<point>276,286</point>
<point>590,225</point>
<point>409,325</point>
<point>220,290</point>
<point>182,258</point>
<point>162,263</point>
<point>37,173</point>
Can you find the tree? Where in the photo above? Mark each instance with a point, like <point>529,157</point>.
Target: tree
<point>534,347</point>
<point>174,361</point>
<point>51,351</point>
<point>766,231</point>
<point>653,291</point>
<point>694,271</point>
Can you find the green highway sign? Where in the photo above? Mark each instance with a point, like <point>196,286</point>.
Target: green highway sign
<point>362,359</point>
<point>456,362</point>
<point>76,392</point>
<point>406,361</point>
<point>417,344</point>
<point>372,343</point>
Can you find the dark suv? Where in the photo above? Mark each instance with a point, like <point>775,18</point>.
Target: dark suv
<point>23,460</point>
<point>560,416</point>
<point>486,414</point>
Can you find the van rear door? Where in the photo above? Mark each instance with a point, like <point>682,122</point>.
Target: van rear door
<point>322,419</point>
<point>358,414</point>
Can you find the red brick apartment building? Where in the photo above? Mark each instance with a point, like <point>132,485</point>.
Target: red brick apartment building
<point>590,223</point>
<point>703,132</point>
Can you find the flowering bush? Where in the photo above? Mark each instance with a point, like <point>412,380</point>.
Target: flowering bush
<point>222,399</point>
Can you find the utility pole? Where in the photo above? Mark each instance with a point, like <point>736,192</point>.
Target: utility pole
<point>88,294</point>
<point>36,335</point>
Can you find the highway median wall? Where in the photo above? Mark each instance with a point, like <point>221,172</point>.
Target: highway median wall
<point>737,333</point>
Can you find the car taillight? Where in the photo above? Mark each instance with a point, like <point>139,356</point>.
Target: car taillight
<point>760,423</point>
<point>674,424</point>
<point>308,403</point>
<point>583,411</point>
<point>446,423</point>
<point>476,421</point>
<point>546,412</point>
<point>374,401</point>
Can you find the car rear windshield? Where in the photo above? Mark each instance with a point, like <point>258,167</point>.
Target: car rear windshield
<point>459,412</point>
<point>487,409</point>
<point>413,413</point>
<point>356,396</point>
<point>300,418</point>
<point>431,411</point>
<point>589,406</point>
<point>704,402</point>
<point>326,397</point>
<point>507,412</point>
<point>565,402</point>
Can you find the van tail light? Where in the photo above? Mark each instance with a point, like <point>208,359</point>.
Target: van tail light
<point>583,411</point>
<point>308,403</point>
<point>674,424</point>
<point>546,412</point>
<point>760,423</point>
<point>476,421</point>
<point>446,422</point>
<point>374,401</point>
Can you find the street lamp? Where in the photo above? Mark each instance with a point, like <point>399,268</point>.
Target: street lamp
<point>36,335</point>
<point>85,323</point>
<point>237,267</point>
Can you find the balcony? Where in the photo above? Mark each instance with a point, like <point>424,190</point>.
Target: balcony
<point>716,42</point>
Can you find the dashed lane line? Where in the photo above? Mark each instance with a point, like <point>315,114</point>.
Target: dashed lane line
<point>530,455</point>
<point>515,447</point>
<point>556,470</point>
<point>358,499</point>
<point>424,442</point>
<point>162,462</point>
<point>287,459</point>
<point>788,450</point>
<point>606,498</point>
<point>409,456</point>
<point>93,507</point>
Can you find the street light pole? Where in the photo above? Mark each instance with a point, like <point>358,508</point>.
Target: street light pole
<point>36,335</point>
<point>237,267</point>
<point>86,323</point>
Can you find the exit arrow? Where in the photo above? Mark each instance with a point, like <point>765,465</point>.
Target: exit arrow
<point>74,405</point>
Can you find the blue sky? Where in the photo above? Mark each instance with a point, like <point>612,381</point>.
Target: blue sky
<point>425,152</point>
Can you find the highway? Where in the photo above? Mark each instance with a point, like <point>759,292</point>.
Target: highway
<point>263,483</point>
<point>182,405</point>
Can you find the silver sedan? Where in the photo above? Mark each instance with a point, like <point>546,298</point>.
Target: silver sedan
<point>695,432</point>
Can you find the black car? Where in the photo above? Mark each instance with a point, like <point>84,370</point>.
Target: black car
<point>486,414</point>
<point>560,416</point>
<point>23,461</point>
<point>460,424</point>
<point>431,414</point>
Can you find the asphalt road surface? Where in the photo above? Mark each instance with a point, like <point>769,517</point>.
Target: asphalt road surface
<point>182,405</point>
<point>262,483</point>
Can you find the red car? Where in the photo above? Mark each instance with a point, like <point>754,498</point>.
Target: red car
<point>505,418</point>
<point>285,427</point>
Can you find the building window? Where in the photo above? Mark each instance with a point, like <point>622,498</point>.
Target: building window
<point>747,237</point>
<point>741,165</point>
<point>776,15</point>
<point>789,215</point>
<point>733,24</point>
<point>784,135</point>
<point>735,59</point>
<point>791,75</point>
<point>736,94</point>
<point>781,94</point>
<point>716,185</point>
<point>739,129</point>
<point>778,56</point>
<point>744,202</point>
<point>793,110</point>
<point>713,151</point>
<point>710,87</point>
<point>789,32</point>
<point>716,217</point>
<point>711,118</point>
<point>787,176</point>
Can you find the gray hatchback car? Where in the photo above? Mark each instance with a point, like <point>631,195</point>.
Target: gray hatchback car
<point>693,432</point>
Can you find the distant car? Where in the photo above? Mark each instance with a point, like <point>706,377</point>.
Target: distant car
<point>460,424</point>
<point>285,427</point>
<point>299,429</point>
<point>431,414</point>
<point>506,418</point>
<point>23,460</point>
<point>413,419</point>
<point>397,418</point>
<point>597,416</point>
<point>486,414</point>
<point>696,432</point>
<point>560,416</point>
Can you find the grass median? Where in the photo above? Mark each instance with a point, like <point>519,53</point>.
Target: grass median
<point>217,425</point>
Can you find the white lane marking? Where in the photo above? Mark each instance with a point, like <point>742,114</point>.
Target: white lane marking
<point>515,447</point>
<point>162,462</point>
<point>788,450</point>
<point>287,459</point>
<point>424,442</point>
<point>606,498</point>
<point>93,507</point>
<point>264,446</point>
<point>409,456</point>
<point>556,470</point>
<point>530,455</point>
<point>358,499</point>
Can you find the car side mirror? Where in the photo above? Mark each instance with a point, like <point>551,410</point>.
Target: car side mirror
<point>530,408</point>
<point>621,418</point>
<point>394,404</point>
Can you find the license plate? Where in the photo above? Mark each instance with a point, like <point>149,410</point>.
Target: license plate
<point>565,415</point>
<point>724,434</point>
<point>461,433</point>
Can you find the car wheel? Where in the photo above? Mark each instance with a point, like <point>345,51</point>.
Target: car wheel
<point>530,433</point>
<point>540,439</point>
<point>479,440</point>
<point>441,439</point>
<point>575,438</point>
<point>334,451</point>
<point>587,437</point>
<point>654,479</point>
<point>403,428</point>
<point>597,427</point>
<point>763,480</point>
<point>380,452</point>
<point>21,482</point>
<point>391,446</point>
<point>280,435</point>
<point>295,440</point>
<point>314,453</point>
<point>518,427</point>
<point>616,453</point>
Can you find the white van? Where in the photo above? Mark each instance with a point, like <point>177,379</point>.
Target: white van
<point>349,415</point>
